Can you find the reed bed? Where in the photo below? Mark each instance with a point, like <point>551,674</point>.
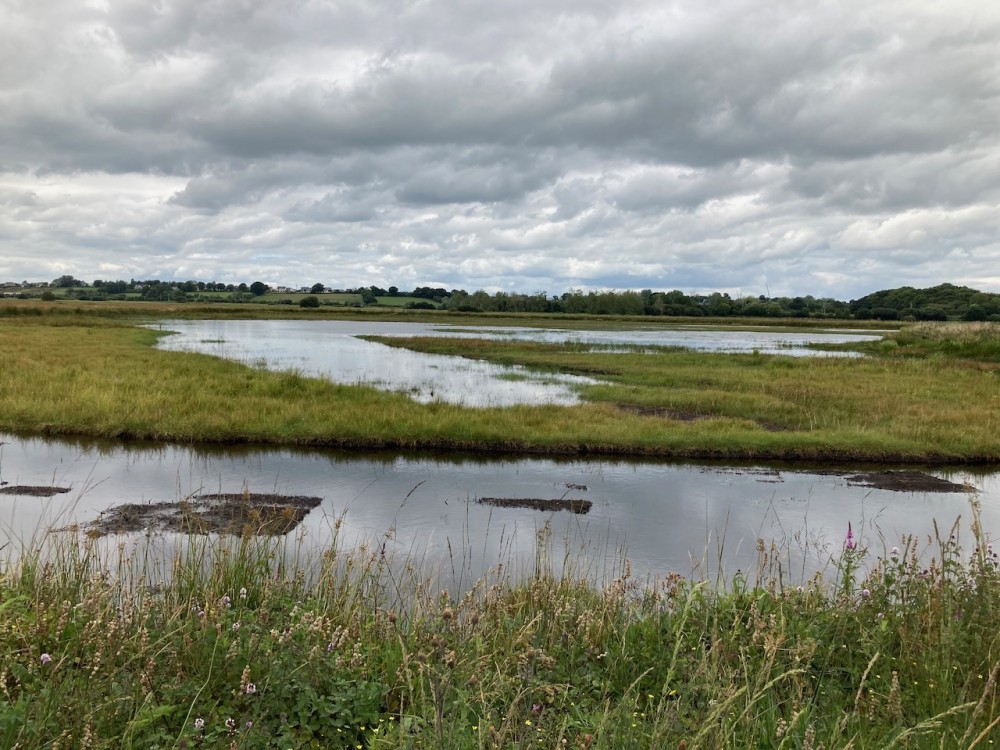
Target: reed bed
<point>239,644</point>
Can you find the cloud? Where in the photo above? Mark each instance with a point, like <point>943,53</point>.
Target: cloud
<point>523,145</point>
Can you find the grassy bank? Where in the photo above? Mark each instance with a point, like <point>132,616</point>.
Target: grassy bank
<point>346,651</point>
<point>101,377</point>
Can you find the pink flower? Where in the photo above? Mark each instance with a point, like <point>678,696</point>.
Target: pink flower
<point>45,658</point>
<point>849,543</point>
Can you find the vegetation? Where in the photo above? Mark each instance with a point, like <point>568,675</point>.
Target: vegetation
<point>74,375</point>
<point>232,645</point>
<point>943,302</point>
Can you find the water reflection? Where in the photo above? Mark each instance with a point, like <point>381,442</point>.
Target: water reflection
<point>331,349</point>
<point>688,518</point>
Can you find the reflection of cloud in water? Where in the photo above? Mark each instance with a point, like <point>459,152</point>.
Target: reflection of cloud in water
<point>331,349</point>
<point>663,516</point>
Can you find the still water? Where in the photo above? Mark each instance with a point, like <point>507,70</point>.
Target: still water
<point>331,349</point>
<point>664,517</point>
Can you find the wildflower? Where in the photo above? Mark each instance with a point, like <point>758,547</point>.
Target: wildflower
<point>849,542</point>
<point>45,658</point>
<point>249,725</point>
<point>865,593</point>
<point>199,723</point>
<point>201,613</point>
<point>225,600</point>
<point>236,626</point>
<point>251,688</point>
<point>243,593</point>
<point>895,553</point>
<point>230,723</point>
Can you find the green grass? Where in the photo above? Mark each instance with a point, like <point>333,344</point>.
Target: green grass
<point>229,645</point>
<point>68,374</point>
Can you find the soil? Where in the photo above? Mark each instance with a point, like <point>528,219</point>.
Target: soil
<point>574,506</point>
<point>906,481</point>
<point>686,415</point>
<point>33,490</point>
<point>236,514</point>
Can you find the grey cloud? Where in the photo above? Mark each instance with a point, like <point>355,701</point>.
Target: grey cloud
<point>543,144</point>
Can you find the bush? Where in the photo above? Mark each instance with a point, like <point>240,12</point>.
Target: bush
<point>310,301</point>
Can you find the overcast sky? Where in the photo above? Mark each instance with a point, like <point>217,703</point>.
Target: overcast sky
<point>777,147</point>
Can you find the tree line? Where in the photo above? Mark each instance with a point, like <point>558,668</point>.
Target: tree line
<point>942,302</point>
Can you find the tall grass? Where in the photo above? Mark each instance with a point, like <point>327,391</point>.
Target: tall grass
<point>234,646</point>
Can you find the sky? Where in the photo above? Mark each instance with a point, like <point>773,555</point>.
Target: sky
<point>787,147</point>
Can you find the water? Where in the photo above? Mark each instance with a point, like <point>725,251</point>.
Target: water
<point>665,517</point>
<point>331,349</point>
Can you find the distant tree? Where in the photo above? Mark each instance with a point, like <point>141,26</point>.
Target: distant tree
<point>974,313</point>
<point>67,281</point>
<point>258,288</point>
<point>309,301</point>
<point>393,291</point>
<point>48,296</point>
<point>317,288</point>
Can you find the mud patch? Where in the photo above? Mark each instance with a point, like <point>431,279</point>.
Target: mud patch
<point>664,412</point>
<point>760,474</point>
<point>906,481</point>
<point>573,506</point>
<point>237,514</point>
<point>33,490</point>
<point>686,415</point>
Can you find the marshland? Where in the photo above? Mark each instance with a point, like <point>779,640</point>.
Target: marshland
<point>714,603</point>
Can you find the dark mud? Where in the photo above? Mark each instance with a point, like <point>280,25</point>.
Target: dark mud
<point>235,514</point>
<point>906,481</point>
<point>33,490</point>
<point>686,415</point>
<point>573,506</point>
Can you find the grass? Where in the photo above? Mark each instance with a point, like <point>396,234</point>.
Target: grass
<point>72,374</point>
<point>229,645</point>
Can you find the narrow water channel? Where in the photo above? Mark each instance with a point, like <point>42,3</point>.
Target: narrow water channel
<point>664,517</point>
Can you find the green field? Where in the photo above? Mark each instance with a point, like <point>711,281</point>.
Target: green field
<point>67,373</point>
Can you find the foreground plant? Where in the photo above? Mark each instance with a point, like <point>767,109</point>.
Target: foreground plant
<point>244,644</point>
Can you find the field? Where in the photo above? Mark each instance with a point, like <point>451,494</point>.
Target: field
<point>70,373</point>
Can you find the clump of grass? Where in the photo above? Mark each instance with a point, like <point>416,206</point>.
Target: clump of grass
<point>231,645</point>
<point>973,342</point>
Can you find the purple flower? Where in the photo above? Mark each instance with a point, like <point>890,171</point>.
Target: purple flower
<point>225,600</point>
<point>249,725</point>
<point>849,543</point>
<point>865,593</point>
<point>895,552</point>
<point>45,658</point>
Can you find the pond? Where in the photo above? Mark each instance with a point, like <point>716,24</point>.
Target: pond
<point>331,349</point>
<point>689,518</point>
